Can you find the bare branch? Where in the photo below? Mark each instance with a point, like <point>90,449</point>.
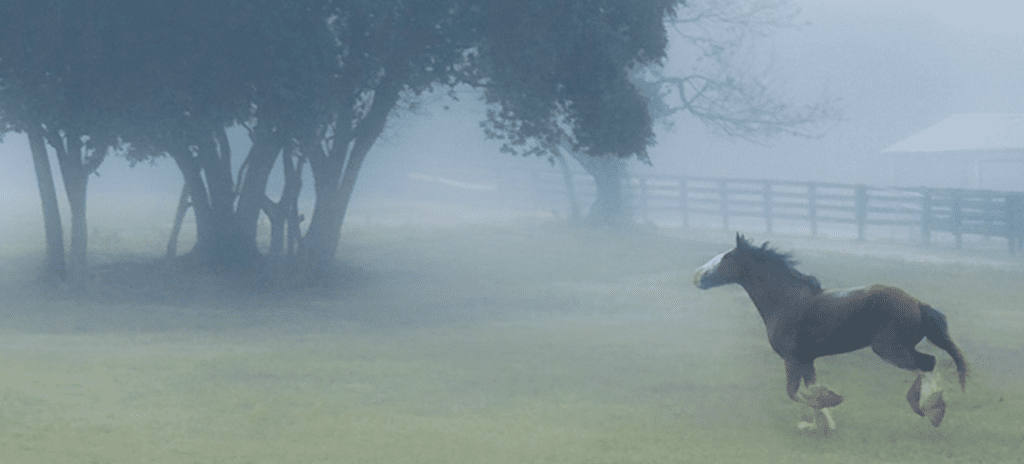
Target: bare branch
<point>730,85</point>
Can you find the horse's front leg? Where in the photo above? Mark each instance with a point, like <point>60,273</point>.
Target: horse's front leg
<point>823,421</point>
<point>819,397</point>
<point>816,395</point>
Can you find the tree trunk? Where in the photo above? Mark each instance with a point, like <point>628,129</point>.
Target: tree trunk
<point>284,217</point>
<point>77,189</point>
<point>54,269</point>
<point>179,217</point>
<point>290,200</point>
<point>75,172</point>
<point>609,208</point>
<point>192,174</point>
<point>275,213</point>
<point>220,243</point>
<point>315,249</point>
<point>266,146</point>
<point>334,178</point>
<point>570,188</point>
<point>214,156</point>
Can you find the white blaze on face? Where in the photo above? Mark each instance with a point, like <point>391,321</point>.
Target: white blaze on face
<point>710,266</point>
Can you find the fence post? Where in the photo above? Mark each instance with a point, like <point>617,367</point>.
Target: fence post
<point>684,203</point>
<point>643,199</point>
<point>1015,223</point>
<point>535,189</point>
<point>956,217</point>
<point>723,196</point>
<point>989,216</point>
<point>861,204</point>
<point>812,207</point>
<point>926,216</point>
<point>768,207</point>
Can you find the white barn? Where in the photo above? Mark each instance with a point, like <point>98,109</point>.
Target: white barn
<point>971,151</point>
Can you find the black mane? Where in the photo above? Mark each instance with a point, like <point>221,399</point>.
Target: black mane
<point>786,260</point>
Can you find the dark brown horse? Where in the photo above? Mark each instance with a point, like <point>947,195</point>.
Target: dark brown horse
<point>805,322</point>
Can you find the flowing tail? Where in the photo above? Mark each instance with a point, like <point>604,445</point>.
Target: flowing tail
<point>937,331</point>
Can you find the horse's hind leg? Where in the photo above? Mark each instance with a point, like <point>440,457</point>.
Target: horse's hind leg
<point>925,397</point>
<point>925,394</point>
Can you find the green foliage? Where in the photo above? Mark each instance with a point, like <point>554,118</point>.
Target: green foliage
<point>320,76</point>
<point>559,72</point>
<point>157,72</point>
<point>189,68</point>
<point>54,72</point>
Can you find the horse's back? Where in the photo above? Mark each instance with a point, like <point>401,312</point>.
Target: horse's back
<point>893,301</point>
<point>851,293</point>
<point>848,319</point>
<point>898,303</point>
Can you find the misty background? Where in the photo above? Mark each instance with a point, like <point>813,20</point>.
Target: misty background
<point>529,339</point>
<point>898,68</point>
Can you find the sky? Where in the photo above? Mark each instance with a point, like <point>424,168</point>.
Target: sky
<point>897,66</point>
<point>985,16</point>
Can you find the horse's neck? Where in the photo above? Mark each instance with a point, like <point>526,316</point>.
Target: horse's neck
<point>774,293</point>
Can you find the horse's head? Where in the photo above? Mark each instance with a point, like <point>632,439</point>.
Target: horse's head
<point>726,268</point>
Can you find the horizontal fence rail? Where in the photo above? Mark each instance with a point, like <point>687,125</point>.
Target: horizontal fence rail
<point>807,207</point>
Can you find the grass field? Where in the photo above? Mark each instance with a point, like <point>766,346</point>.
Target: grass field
<point>492,343</point>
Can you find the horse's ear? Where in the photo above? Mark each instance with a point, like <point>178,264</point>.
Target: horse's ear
<point>741,241</point>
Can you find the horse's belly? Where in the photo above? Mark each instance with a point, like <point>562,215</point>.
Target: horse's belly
<point>840,338</point>
<point>843,321</point>
<point>839,346</point>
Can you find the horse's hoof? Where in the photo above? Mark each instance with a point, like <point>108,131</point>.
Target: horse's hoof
<point>930,399</point>
<point>823,423</point>
<point>830,399</point>
<point>935,409</point>
<point>812,429</point>
<point>819,396</point>
<point>914,396</point>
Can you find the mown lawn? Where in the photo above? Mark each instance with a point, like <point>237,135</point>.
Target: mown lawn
<point>491,344</point>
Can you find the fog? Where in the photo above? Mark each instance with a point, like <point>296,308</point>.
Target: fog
<point>898,68</point>
<point>473,322</point>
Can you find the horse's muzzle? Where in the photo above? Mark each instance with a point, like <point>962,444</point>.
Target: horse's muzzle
<point>698,279</point>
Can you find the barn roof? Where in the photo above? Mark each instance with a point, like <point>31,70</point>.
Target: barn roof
<point>967,132</point>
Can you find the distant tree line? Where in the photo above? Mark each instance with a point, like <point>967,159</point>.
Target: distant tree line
<point>313,82</point>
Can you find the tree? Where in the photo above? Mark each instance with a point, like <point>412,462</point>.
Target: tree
<point>558,72</point>
<point>388,50</point>
<point>723,89</point>
<point>562,79</point>
<point>200,68</point>
<point>553,71</point>
<point>53,69</point>
<point>321,76</point>
<point>318,80</point>
<point>54,266</point>
<point>20,36</point>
